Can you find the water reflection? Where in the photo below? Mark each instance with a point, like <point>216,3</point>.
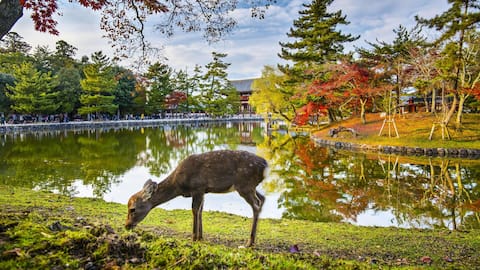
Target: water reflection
<point>325,184</point>
<point>306,182</point>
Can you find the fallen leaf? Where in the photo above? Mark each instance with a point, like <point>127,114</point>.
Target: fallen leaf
<point>294,249</point>
<point>426,260</point>
<point>448,259</point>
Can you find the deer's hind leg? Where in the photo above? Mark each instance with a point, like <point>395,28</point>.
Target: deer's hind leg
<point>197,208</point>
<point>256,200</point>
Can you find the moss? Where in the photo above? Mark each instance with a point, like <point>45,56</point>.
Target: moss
<point>41,230</point>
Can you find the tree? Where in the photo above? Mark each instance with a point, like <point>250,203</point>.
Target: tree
<point>34,92</point>
<point>218,96</point>
<point>183,84</point>
<point>362,84</point>
<point>424,76</point>
<point>13,43</point>
<point>69,89</point>
<point>64,55</point>
<point>267,99</point>
<point>461,17</point>
<point>5,80</point>
<point>125,21</point>
<point>42,58</point>
<point>159,86</point>
<point>98,87</point>
<point>194,91</point>
<point>124,92</point>
<point>317,41</point>
<point>394,59</point>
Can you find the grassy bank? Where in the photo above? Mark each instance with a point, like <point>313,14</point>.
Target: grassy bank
<point>414,130</point>
<point>47,231</point>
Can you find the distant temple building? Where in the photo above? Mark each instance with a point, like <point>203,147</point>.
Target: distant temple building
<point>244,88</point>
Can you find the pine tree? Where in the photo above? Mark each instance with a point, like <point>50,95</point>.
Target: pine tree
<point>218,96</point>
<point>456,24</point>
<point>98,87</point>
<point>33,92</point>
<point>317,41</point>
<point>160,85</point>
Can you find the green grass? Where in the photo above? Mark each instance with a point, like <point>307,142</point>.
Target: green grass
<point>41,230</point>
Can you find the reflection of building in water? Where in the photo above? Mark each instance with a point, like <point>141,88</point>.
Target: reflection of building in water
<point>246,132</point>
<point>244,89</point>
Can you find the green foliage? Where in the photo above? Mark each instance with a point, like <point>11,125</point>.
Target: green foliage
<point>125,92</point>
<point>98,87</point>
<point>34,91</point>
<point>218,96</point>
<point>69,89</point>
<point>5,79</point>
<point>184,84</point>
<point>160,85</point>
<point>13,43</point>
<point>316,39</point>
<point>268,98</point>
<point>316,42</point>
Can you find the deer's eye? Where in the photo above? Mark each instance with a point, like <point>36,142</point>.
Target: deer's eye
<point>131,210</point>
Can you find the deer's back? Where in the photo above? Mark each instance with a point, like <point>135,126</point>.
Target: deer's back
<point>220,171</point>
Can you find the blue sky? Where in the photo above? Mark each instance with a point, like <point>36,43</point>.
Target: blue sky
<point>253,44</point>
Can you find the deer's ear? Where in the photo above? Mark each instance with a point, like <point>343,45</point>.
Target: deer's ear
<point>148,189</point>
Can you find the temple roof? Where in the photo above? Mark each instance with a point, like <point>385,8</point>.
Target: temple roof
<point>243,86</point>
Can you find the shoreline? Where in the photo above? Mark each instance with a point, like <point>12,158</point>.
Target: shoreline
<point>81,125</point>
<point>351,146</point>
<point>400,150</point>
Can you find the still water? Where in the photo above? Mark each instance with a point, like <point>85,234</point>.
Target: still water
<point>306,181</point>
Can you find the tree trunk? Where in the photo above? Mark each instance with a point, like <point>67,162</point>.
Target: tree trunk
<point>362,111</point>
<point>461,101</point>
<point>331,116</point>
<point>425,100</point>
<point>434,98</point>
<point>448,116</point>
<point>10,12</point>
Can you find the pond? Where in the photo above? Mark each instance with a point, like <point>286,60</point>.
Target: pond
<point>306,181</point>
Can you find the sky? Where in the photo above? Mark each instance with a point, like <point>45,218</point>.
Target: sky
<point>253,44</point>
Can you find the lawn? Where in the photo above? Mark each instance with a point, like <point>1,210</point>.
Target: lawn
<point>40,230</point>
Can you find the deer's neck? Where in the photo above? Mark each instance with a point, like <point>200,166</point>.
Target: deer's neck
<point>166,190</point>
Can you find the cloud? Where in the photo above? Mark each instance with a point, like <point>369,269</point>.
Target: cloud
<point>253,44</point>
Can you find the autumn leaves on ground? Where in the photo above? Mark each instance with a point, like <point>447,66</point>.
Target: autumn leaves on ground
<point>41,230</point>
<point>414,130</point>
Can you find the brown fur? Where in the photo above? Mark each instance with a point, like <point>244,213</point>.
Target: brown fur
<point>216,172</point>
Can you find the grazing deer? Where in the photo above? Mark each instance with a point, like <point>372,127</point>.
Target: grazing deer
<point>219,171</point>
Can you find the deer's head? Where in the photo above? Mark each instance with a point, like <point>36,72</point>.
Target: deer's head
<point>140,204</point>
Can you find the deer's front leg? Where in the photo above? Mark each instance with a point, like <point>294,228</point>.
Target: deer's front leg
<point>197,207</point>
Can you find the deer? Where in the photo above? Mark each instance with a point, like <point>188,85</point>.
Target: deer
<point>219,171</point>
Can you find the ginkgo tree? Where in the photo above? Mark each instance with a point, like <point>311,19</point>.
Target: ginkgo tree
<point>267,97</point>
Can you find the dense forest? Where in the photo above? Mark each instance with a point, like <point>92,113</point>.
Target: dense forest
<point>41,82</point>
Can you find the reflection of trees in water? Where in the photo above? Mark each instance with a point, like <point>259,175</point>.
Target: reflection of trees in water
<point>330,185</point>
<point>104,156</point>
<point>54,161</point>
<point>319,183</point>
